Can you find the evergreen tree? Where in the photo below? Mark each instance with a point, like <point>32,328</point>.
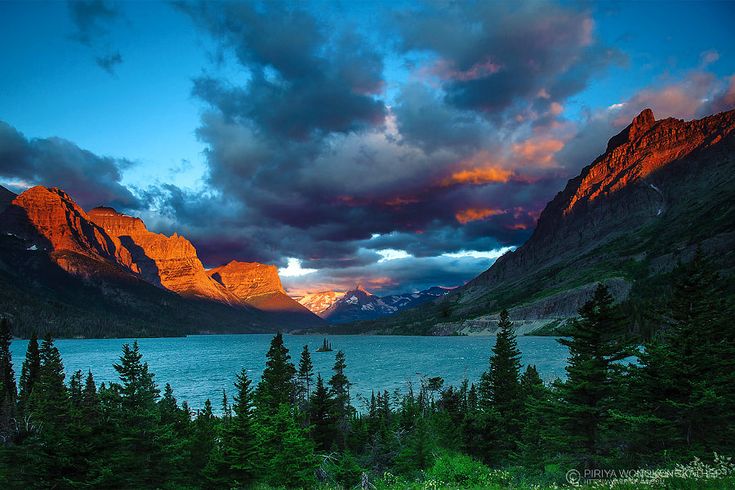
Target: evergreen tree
<point>29,373</point>
<point>138,452</point>
<point>50,418</point>
<point>276,385</point>
<point>288,452</point>
<point>320,413</point>
<point>202,444</point>
<point>305,374</point>
<point>596,345</point>
<point>339,387</point>
<point>235,465</point>
<point>684,390</point>
<point>8,389</point>
<point>536,415</point>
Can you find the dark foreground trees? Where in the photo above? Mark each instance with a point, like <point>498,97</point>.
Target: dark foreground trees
<point>675,403</point>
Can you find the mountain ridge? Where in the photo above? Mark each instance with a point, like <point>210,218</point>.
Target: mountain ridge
<point>660,190</point>
<point>114,258</point>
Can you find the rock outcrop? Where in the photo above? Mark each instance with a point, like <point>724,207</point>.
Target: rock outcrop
<point>168,262</point>
<point>50,220</point>
<point>660,190</point>
<point>258,285</point>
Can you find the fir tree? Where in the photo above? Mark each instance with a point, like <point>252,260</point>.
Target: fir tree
<point>50,417</point>
<point>305,374</point>
<point>276,385</point>
<point>596,345</point>
<point>29,373</point>
<point>138,452</point>
<point>236,464</point>
<point>320,413</point>
<point>8,389</point>
<point>288,452</point>
<point>684,389</point>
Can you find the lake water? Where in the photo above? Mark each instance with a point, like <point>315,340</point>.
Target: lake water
<point>199,367</point>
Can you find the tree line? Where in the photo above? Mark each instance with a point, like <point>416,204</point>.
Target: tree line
<point>295,429</point>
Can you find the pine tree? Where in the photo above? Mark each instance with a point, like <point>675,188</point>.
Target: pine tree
<point>288,452</point>
<point>50,418</point>
<point>536,417</point>
<point>202,444</point>
<point>339,387</point>
<point>236,463</point>
<point>320,413</point>
<point>138,452</point>
<point>305,374</point>
<point>29,373</point>
<point>596,345</point>
<point>684,390</point>
<point>8,389</point>
<point>276,385</point>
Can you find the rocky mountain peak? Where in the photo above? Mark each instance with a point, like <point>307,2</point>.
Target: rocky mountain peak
<point>248,279</point>
<point>51,220</point>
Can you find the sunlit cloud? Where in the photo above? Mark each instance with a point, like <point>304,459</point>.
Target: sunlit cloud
<point>474,214</point>
<point>294,269</point>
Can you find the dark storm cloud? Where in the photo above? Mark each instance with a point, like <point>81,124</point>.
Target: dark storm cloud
<point>92,20</point>
<point>302,79</point>
<point>90,179</point>
<point>491,56</point>
<point>306,159</point>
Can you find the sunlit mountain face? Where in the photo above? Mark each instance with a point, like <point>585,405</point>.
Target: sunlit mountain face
<point>400,146</point>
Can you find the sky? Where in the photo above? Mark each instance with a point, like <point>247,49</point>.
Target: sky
<point>398,145</point>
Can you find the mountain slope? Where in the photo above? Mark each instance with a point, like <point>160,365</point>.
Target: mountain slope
<point>104,274</point>
<point>360,304</point>
<point>258,285</point>
<point>661,189</point>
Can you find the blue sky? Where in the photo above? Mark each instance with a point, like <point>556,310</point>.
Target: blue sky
<point>189,116</point>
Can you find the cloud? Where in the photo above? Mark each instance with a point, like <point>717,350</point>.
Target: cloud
<point>92,20</point>
<point>90,179</point>
<point>464,216</point>
<point>109,62</point>
<point>495,56</point>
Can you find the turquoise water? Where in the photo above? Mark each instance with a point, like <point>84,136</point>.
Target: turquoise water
<point>199,367</point>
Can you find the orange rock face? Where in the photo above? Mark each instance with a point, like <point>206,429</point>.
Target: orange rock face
<point>168,262</point>
<point>643,147</point>
<point>257,285</point>
<point>248,279</point>
<point>54,222</point>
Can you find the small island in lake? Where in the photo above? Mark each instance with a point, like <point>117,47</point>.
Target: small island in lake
<point>325,347</point>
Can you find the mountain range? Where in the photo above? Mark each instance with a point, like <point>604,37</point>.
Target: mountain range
<point>103,273</point>
<point>360,304</point>
<point>661,190</point>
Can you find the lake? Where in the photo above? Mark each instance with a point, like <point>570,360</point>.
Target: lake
<point>200,366</point>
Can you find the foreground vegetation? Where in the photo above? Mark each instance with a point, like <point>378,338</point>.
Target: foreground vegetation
<point>661,422</point>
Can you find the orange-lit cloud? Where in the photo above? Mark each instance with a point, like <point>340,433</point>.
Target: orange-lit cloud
<point>474,214</point>
<point>481,175</point>
<point>401,201</point>
<point>538,151</point>
<point>480,168</point>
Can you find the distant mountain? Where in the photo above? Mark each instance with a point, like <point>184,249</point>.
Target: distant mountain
<point>360,304</point>
<point>258,285</point>
<point>320,302</point>
<point>104,274</point>
<point>660,190</point>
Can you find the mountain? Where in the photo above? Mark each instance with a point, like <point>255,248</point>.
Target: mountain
<point>104,274</point>
<point>320,302</point>
<point>258,285</point>
<point>411,300</point>
<point>167,262</point>
<point>360,304</point>
<point>660,190</point>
